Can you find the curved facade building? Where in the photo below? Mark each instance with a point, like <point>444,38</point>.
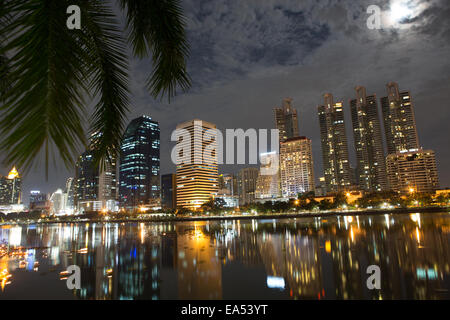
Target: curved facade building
<point>139,169</point>
<point>197,163</point>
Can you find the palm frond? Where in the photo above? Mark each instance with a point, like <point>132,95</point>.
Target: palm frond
<point>157,26</point>
<point>4,75</point>
<point>109,78</point>
<point>4,61</point>
<point>44,106</point>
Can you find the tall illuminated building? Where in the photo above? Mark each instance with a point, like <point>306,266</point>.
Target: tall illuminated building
<point>86,189</point>
<point>370,158</point>
<point>286,120</point>
<point>296,166</point>
<point>95,186</point>
<point>336,164</point>
<point>268,181</point>
<point>247,178</point>
<point>321,188</point>
<point>399,121</point>
<point>228,190</point>
<point>139,170</point>
<point>227,184</point>
<point>69,191</point>
<point>39,201</point>
<point>412,171</point>
<point>58,201</point>
<point>197,163</point>
<point>11,188</point>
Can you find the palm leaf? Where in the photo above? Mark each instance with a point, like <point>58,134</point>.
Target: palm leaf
<point>4,61</point>
<point>4,75</point>
<point>109,78</point>
<point>43,108</point>
<point>157,26</point>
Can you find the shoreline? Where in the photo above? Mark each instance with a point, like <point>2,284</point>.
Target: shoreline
<point>245,217</point>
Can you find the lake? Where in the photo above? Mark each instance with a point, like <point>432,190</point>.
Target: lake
<point>303,258</point>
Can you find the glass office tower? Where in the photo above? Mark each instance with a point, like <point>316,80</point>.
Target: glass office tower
<point>139,164</point>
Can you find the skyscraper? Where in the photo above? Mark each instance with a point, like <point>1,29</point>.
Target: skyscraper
<point>399,121</point>
<point>39,201</point>
<point>247,178</point>
<point>95,185</point>
<point>86,177</point>
<point>69,205</point>
<point>169,191</point>
<point>368,141</point>
<point>268,181</point>
<point>58,200</point>
<point>286,120</point>
<point>227,184</point>
<point>336,164</point>
<point>296,164</point>
<point>228,190</point>
<point>11,188</point>
<point>412,171</point>
<point>197,163</point>
<point>139,168</point>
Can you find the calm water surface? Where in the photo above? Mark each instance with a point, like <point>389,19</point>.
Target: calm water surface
<point>308,258</point>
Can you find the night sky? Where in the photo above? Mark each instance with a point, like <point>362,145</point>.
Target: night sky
<point>248,55</point>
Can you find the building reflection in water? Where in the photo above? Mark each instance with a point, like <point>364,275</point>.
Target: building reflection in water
<point>311,258</point>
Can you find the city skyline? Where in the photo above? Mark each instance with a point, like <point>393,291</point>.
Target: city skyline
<point>292,113</point>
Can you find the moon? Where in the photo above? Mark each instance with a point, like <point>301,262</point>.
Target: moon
<point>399,11</point>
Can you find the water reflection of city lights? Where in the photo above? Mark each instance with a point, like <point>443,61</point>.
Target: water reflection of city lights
<point>386,218</point>
<point>109,273</point>
<point>200,254</point>
<point>142,232</point>
<point>423,274</point>
<point>275,282</point>
<point>328,246</point>
<point>5,277</point>
<point>415,217</point>
<point>63,275</point>
<point>417,235</point>
<point>198,234</point>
